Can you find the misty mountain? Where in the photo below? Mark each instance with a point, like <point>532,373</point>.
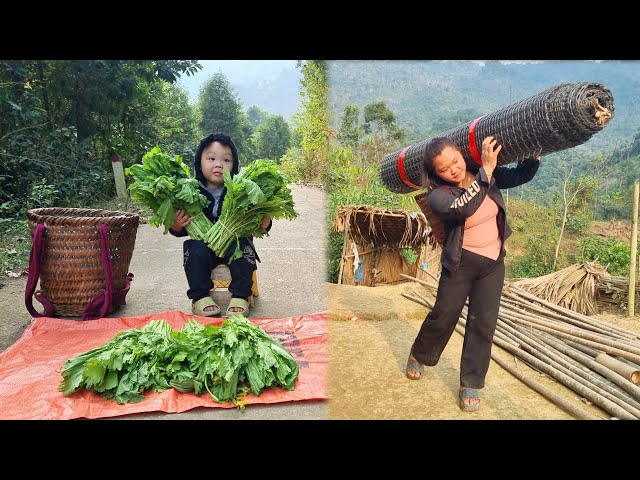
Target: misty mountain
<point>270,84</point>
<point>430,97</point>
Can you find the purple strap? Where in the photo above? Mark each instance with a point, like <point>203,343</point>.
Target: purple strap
<point>35,257</point>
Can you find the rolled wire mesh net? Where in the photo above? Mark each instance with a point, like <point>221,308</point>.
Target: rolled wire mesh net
<point>559,118</point>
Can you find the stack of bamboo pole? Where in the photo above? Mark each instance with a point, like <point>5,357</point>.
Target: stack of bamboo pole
<point>597,360</point>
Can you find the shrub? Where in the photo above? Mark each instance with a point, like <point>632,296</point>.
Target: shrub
<point>614,254</point>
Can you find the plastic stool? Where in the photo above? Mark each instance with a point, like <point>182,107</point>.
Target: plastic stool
<point>221,276</point>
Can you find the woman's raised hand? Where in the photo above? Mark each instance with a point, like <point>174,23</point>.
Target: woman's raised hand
<point>490,151</point>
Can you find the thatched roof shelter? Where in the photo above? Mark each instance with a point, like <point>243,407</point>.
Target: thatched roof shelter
<point>383,227</point>
<point>382,244</point>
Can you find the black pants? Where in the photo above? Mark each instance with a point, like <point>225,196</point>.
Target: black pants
<point>480,279</point>
<point>200,260</point>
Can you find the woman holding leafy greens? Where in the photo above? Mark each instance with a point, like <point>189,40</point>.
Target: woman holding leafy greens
<point>216,154</point>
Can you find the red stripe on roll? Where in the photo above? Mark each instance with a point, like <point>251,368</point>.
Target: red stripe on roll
<point>402,172</point>
<point>472,142</point>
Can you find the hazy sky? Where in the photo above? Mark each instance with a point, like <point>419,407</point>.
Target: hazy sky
<point>238,72</point>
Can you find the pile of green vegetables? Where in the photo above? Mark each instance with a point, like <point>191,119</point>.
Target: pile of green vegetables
<point>165,185</point>
<point>226,361</point>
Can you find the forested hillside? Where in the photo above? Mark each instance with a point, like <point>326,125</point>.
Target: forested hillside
<point>430,97</point>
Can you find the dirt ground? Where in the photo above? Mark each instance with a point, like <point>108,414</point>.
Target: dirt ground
<point>291,280</point>
<point>618,229</point>
<point>370,333</point>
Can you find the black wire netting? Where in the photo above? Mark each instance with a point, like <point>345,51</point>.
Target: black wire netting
<point>559,118</point>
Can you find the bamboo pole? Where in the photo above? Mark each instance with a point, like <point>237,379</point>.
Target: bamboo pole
<point>538,387</point>
<point>508,307</point>
<point>591,352</point>
<point>576,371</point>
<point>544,391</point>
<point>423,282</point>
<point>627,371</point>
<point>566,311</point>
<point>583,375</point>
<point>520,304</point>
<point>575,333</point>
<point>634,247</point>
<point>573,352</point>
<point>603,345</point>
<point>586,392</point>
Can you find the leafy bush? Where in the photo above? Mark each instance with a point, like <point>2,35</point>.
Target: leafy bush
<point>409,254</point>
<point>289,164</point>
<point>538,260</point>
<point>578,223</point>
<point>614,254</point>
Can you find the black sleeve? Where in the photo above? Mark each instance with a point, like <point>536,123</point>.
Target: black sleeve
<point>449,205</point>
<point>509,177</point>
<point>181,233</point>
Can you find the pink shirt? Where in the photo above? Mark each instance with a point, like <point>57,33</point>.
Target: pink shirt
<point>481,231</point>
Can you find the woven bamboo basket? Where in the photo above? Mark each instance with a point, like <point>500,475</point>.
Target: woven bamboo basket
<point>71,269</point>
<point>559,118</point>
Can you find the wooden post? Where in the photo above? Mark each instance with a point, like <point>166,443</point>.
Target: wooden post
<point>342,257</point>
<point>118,175</point>
<point>634,247</point>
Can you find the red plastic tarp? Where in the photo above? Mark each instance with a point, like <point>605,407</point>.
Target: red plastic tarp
<point>30,368</point>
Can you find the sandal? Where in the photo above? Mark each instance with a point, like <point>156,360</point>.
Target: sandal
<point>414,365</point>
<point>467,393</point>
<point>238,302</point>
<point>199,306</point>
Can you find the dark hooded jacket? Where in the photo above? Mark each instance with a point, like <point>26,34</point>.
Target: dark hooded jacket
<point>453,205</point>
<point>209,209</point>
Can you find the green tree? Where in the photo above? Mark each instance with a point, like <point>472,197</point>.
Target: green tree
<point>312,122</point>
<point>350,130</point>
<point>221,111</point>
<point>383,133</point>
<point>256,115</point>
<point>178,127</point>
<point>88,92</point>
<point>272,138</point>
<point>60,122</point>
<point>378,119</point>
<point>571,191</point>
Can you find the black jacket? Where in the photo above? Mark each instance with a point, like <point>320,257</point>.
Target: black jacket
<point>453,205</point>
<point>209,213</point>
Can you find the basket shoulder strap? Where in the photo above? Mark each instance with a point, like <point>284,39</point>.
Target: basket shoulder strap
<point>35,257</point>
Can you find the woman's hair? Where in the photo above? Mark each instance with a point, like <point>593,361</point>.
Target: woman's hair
<point>222,138</point>
<point>430,179</point>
